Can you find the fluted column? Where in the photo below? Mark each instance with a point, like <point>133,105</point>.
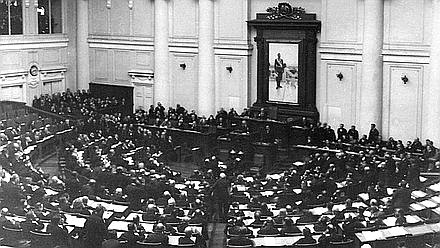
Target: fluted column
<point>161,53</point>
<point>432,103</point>
<point>206,94</point>
<point>372,66</point>
<point>82,46</point>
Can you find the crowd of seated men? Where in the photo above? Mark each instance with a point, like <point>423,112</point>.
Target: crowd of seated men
<point>75,103</point>
<point>103,164</point>
<point>141,180</point>
<point>287,205</point>
<point>181,118</point>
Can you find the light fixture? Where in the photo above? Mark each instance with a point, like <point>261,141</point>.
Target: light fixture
<point>183,66</point>
<point>404,79</point>
<point>229,68</point>
<point>340,76</point>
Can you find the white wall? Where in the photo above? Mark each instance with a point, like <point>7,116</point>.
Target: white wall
<point>121,40</point>
<point>54,54</point>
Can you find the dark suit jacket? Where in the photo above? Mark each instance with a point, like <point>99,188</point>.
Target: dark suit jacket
<point>157,238</point>
<point>401,198</point>
<point>185,241</point>
<point>94,231</point>
<point>131,237</point>
<point>240,241</point>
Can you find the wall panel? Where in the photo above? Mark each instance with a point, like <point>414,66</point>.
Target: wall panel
<point>341,20</point>
<point>231,14</point>
<point>121,66</point>
<point>143,18</point>
<point>406,21</point>
<point>231,86</point>
<point>143,60</point>
<point>98,17</point>
<point>184,18</point>
<point>10,60</point>
<point>101,64</point>
<point>402,102</point>
<point>50,56</point>
<point>340,94</point>
<point>184,81</point>
<point>120,18</point>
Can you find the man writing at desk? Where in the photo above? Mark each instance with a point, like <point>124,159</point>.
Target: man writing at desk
<point>279,69</point>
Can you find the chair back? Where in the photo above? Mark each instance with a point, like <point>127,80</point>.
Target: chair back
<point>344,244</point>
<point>141,244</point>
<point>40,239</point>
<point>186,245</point>
<point>239,246</point>
<point>293,234</point>
<point>12,235</point>
<point>314,245</point>
<point>123,244</point>
<point>268,235</point>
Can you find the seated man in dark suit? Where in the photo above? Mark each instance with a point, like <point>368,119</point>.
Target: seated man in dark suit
<point>269,228</point>
<point>307,239</point>
<point>307,217</point>
<point>150,213</point>
<point>130,236</point>
<point>158,236</point>
<point>241,239</point>
<point>289,228</point>
<point>186,240</point>
<point>237,229</point>
<point>257,220</point>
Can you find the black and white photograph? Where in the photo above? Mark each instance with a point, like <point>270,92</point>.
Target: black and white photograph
<point>219,124</point>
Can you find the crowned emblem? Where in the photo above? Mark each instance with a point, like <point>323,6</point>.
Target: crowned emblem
<point>285,10</point>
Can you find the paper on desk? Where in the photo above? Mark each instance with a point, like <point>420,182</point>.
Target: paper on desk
<point>107,215</point>
<point>119,225</point>
<point>435,199</point>
<point>435,187</point>
<point>418,194</point>
<point>359,204</point>
<point>297,191</point>
<point>394,232</point>
<point>418,230</point>
<point>148,227</point>
<point>372,236</point>
<point>267,193</point>
<point>241,188</point>
<point>364,196</point>
<point>390,221</point>
<point>318,210</point>
<point>249,179</point>
<point>416,207</point>
<point>428,204</point>
<point>70,228</point>
<point>50,192</point>
<point>413,219</point>
<point>75,221</point>
<point>390,191</point>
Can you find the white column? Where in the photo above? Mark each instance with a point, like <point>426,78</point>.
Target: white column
<point>372,66</point>
<point>206,58</point>
<point>82,46</point>
<point>161,53</point>
<point>432,103</point>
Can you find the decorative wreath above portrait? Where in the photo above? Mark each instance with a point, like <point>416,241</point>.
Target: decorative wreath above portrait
<point>285,10</point>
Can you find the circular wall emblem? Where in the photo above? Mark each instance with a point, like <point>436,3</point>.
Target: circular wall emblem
<point>33,71</point>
